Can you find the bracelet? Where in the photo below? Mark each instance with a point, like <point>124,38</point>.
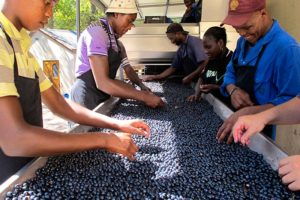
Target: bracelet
<point>232,91</point>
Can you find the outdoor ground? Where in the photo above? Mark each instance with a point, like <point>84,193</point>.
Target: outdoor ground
<point>53,122</point>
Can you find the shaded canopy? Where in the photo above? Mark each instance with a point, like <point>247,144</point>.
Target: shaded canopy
<point>169,8</point>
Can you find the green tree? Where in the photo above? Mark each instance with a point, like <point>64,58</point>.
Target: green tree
<point>64,16</point>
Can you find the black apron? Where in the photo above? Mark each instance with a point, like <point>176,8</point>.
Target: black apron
<point>245,75</point>
<point>84,90</point>
<point>30,100</point>
<point>188,66</point>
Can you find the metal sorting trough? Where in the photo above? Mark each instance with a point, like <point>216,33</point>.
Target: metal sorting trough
<point>259,143</point>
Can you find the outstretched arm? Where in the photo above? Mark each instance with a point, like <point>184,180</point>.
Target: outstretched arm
<point>247,126</point>
<point>18,138</point>
<point>226,128</point>
<point>72,111</point>
<point>100,69</point>
<point>189,78</point>
<point>168,72</point>
<point>132,75</point>
<point>196,96</point>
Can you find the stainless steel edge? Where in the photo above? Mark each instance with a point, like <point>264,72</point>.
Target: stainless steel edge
<point>27,172</point>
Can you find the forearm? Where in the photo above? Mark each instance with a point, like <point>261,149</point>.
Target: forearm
<point>197,87</point>
<point>229,79</point>
<point>169,71</point>
<point>121,89</point>
<point>82,115</point>
<point>250,110</point>
<point>35,141</point>
<point>215,87</point>
<point>198,71</point>
<point>74,112</point>
<point>133,77</point>
<point>230,89</point>
<point>287,113</point>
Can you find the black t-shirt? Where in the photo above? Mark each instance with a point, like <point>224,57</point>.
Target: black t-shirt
<point>215,69</point>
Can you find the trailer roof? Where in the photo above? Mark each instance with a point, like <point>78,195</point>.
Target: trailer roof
<point>169,8</point>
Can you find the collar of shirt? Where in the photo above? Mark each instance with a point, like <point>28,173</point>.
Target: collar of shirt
<point>22,36</point>
<point>111,31</point>
<point>186,40</point>
<point>252,53</point>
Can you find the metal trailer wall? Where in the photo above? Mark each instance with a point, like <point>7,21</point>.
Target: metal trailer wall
<point>287,13</point>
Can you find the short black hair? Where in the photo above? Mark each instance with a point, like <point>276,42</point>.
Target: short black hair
<point>218,33</point>
<point>175,28</point>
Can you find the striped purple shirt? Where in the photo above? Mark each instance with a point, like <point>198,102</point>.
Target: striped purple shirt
<point>95,41</point>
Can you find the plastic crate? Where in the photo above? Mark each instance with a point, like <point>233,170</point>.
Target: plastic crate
<point>155,19</point>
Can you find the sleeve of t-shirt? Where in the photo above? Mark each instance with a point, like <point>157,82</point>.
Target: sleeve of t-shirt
<point>96,40</point>
<point>44,82</point>
<point>176,63</point>
<point>7,84</point>
<point>197,48</point>
<point>125,61</point>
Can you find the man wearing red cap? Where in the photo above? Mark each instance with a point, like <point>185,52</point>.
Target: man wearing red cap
<point>265,67</point>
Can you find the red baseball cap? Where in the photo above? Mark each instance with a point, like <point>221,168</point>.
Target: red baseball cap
<point>239,11</point>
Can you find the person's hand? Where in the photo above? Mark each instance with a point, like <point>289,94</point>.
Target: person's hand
<point>246,127</point>
<point>208,87</point>
<point>134,126</point>
<point>121,143</point>
<point>153,101</point>
<point>226,128</point>
<point>187,80</point>
<point>193,98</point>
<point>149,78</point>
<point>289,170</point>
<point>240,99</point>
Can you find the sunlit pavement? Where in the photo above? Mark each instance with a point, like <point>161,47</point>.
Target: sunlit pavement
<point>53,122</point>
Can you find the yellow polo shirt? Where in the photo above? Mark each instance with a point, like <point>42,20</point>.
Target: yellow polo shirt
<point>27,64</point>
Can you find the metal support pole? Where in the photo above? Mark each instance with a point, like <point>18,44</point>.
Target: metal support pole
<point>78,18</point>
<point>167,7</point>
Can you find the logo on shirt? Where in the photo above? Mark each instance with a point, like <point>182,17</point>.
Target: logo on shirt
<point>234,4</point>
<point>210,74</point>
